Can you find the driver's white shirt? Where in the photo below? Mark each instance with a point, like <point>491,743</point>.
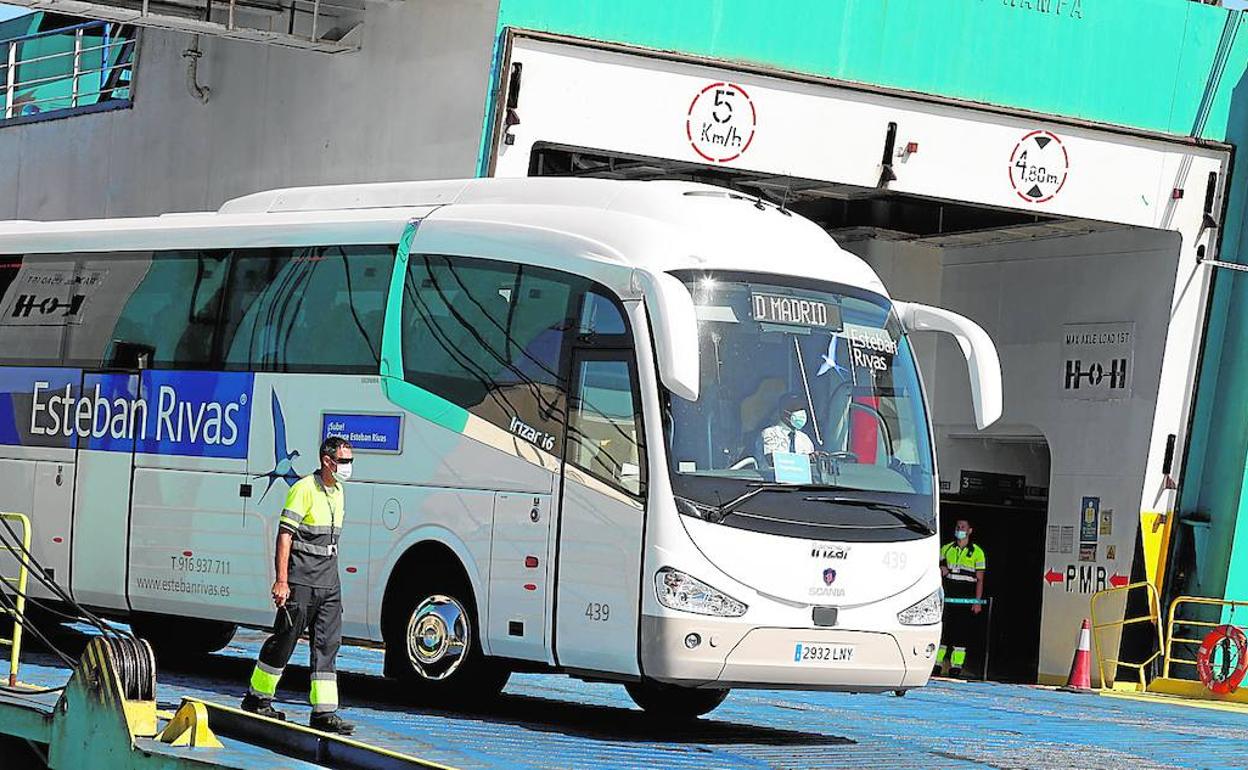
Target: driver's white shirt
<point>776,439</point>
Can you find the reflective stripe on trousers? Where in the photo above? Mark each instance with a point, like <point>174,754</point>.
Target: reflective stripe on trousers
<point>956,660</point>
<point>264,680</point>
<point>324,694</point>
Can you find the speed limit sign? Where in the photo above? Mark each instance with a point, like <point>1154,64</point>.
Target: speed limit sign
<point>721,122</point>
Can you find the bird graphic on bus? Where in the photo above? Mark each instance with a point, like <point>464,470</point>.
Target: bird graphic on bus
<point>829,360</point>
<point>283,459</point>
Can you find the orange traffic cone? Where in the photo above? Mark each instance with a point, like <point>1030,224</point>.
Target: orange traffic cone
<point>1080,679</point>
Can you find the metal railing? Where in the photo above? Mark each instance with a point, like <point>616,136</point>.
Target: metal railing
<point>1178,632</point>
<point>1153,616</point>
<point>96,66</point>
<point>18,609</point>
<point>1173,621</point>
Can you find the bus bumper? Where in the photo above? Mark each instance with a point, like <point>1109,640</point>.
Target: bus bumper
<point>729,654</point>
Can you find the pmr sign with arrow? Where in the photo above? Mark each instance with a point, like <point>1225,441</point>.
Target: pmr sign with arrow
<point>1084,578</point>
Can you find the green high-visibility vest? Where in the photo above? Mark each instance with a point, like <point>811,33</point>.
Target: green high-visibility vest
<point>962,562</point>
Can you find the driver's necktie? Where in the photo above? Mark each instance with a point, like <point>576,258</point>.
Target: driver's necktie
<point>793,441</point>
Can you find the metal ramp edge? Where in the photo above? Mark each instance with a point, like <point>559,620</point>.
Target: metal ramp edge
<point>105,718</point>
<point>304,743</point>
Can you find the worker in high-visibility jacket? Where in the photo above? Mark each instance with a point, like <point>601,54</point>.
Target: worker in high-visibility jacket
<point>962,565</point>
<point>308,591</point>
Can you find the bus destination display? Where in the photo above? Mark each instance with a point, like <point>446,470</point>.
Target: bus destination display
<point>795,311</point>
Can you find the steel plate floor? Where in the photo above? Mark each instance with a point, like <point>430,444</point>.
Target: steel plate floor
<point>556,722</point>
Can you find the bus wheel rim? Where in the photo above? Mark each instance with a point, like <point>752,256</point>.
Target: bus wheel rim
<point>438,635</point>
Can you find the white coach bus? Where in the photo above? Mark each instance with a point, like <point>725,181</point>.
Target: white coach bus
<point>566,401</point>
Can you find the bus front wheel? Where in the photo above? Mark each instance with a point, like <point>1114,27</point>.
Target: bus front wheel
<point>434,645</point>
<point>673,702</point>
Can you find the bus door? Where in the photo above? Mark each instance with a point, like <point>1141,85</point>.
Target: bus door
<point>103,484</point>
<point>602,517</point>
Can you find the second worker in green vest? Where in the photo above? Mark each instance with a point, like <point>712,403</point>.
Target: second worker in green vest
<point>962,565</point>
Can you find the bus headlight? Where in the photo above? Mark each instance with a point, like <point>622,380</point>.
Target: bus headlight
<point>679,591</point>
<point>925,612</point>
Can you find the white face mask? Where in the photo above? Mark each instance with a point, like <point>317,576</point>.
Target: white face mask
<point>344,472</point>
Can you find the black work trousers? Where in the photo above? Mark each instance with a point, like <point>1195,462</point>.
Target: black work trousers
<point>319,612</point>
<point>963,630</point>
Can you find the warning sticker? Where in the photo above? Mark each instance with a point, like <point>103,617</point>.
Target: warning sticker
<point>1107,521</point>
<point>1039,165</point>
<point>1089,516</point>
<point>1060,539</point>
<point>1054,539</point>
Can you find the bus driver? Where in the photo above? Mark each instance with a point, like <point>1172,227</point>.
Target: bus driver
<point>787,435</point>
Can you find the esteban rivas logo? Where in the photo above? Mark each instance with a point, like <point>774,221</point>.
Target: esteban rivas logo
<point>283,458</point>
<point>196,414</point>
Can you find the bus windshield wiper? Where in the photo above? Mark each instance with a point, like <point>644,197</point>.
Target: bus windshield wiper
<point>899,510</point>
<point>767,486</point>
<point>716,513</point>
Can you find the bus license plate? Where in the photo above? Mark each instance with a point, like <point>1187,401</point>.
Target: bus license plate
<point>822,654</point>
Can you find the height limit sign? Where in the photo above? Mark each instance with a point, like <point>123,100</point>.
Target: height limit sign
<point>1039,166</point>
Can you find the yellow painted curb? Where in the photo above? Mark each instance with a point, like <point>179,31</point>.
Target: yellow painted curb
<point>1174,700</point>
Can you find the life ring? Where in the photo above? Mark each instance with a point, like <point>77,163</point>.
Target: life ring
<point>1204,659</point>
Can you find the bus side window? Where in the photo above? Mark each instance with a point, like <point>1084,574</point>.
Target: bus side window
<point>489,336</point>
<point>182,290</point>
<point>600,316</point>
<point>28,336</point>
<point>316,309</point>
<point>604,434</point>
<point>96,309</point>
<point>313,309</point>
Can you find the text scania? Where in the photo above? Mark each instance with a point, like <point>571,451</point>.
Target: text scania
<point>95,415</point>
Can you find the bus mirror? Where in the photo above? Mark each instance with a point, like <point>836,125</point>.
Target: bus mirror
<point>676,332</point>
<point>977,347</point>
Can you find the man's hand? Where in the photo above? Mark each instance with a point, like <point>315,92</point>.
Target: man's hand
<point>944,571</point>
<point>975,608</point>
<point>281,592</point>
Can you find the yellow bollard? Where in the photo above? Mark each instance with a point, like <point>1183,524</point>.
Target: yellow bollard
<point>189,727</point>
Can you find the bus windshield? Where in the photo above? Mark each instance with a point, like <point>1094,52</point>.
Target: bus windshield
<point>807,385</point>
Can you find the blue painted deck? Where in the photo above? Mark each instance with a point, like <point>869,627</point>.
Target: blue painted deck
<point>556,722</point>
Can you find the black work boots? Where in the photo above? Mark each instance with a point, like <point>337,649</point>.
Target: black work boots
<point>331,723</point>
<point>262,707</point>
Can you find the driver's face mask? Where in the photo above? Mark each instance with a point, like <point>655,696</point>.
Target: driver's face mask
<point>798,419</point>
